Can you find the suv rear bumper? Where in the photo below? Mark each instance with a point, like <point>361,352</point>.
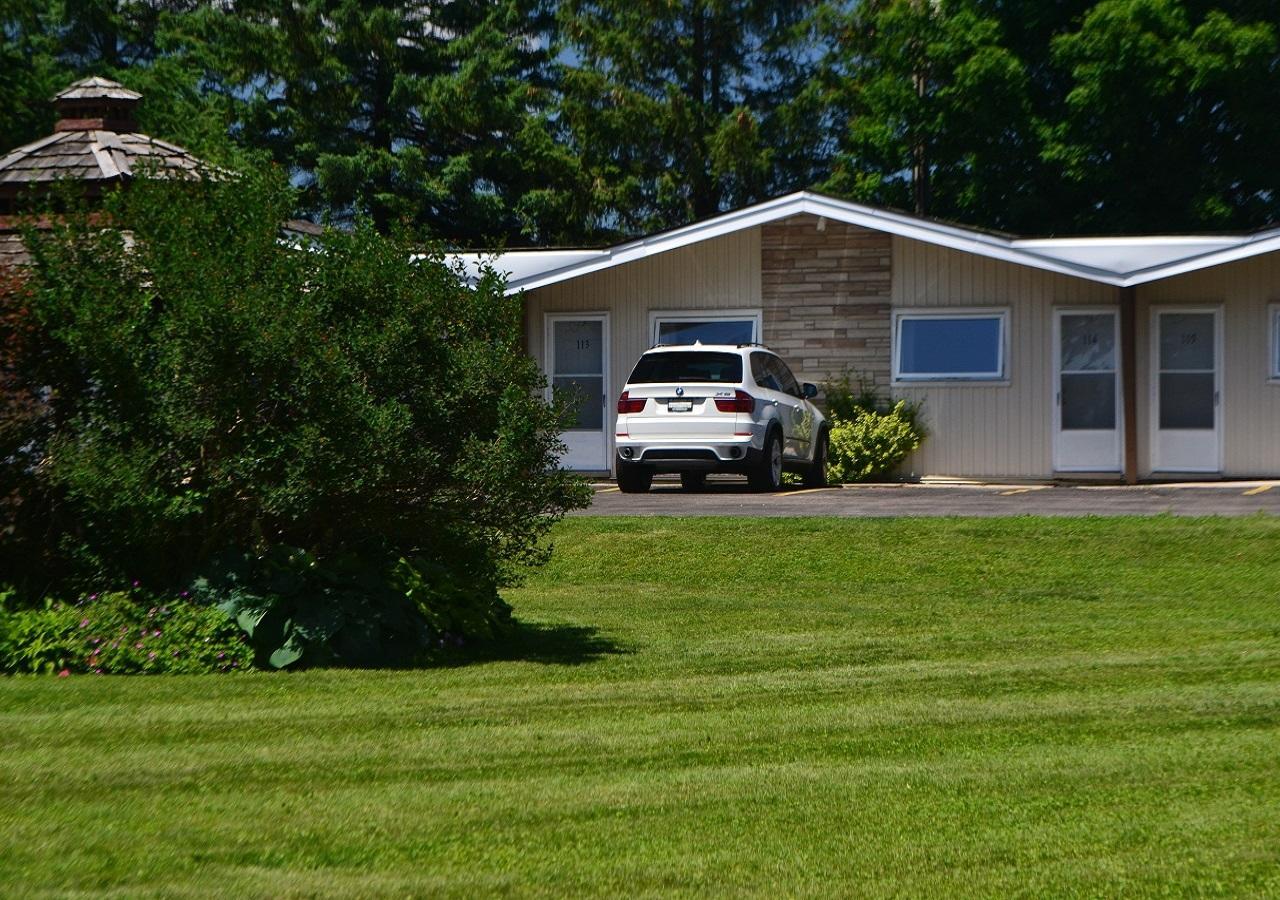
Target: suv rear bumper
<point>727,455</point>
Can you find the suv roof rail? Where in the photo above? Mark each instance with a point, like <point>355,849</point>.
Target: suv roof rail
<point>739,344</point>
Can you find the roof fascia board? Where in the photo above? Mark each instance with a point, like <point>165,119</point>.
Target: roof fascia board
<point>670,240</point>
<point>1017,251</point>
<point>814,204</point>
<point>948,236</point>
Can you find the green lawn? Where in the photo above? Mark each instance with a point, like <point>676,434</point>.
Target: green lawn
<point>1016,706</point>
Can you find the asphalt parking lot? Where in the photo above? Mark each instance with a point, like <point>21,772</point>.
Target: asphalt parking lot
<point>731,498</point>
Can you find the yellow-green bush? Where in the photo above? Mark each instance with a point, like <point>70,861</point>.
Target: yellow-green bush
<point>872,444</point>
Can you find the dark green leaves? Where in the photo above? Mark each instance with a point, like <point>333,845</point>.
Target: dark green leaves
<point>207,387</point>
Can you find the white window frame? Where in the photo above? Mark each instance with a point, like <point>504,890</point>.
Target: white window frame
<point>658,316</point>
<point>1273,363</point>
<point>1001,376</point>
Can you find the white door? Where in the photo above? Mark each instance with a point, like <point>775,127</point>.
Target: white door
<point>1087,433</point>
<point>577,367</point>
<point>1186,390</point>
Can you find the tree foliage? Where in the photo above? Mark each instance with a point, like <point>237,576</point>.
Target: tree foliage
<point>432,114</point>
<point>678,110</point>
<point>564,121</point>
<point>205,390</point>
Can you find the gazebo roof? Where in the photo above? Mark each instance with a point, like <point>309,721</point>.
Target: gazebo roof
<point>95,142</point>
<point>93,156</point>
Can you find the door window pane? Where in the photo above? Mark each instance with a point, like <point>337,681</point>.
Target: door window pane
<point>586,396</point>
<point>942,347</point>
<point>1186,341</point>
<point>1186,400</point>
<point>1089,401</point>
<point>1088,343</point>
<point>689,331</point>
<point>579,347</point>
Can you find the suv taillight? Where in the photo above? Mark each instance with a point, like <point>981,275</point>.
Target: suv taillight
<point>628,405</point>
<point>741,402</point>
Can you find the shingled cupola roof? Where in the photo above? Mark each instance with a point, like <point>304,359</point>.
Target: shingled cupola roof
<point>96,104</point>
<point>95,142</point>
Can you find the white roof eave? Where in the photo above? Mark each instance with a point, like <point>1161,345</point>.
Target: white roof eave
<point>1036,253</point>
<point>796,204</point>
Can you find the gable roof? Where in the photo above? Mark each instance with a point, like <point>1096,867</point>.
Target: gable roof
<point>1120,261</point>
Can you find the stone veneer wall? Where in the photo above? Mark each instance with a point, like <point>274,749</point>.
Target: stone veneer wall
<point>826,297</point>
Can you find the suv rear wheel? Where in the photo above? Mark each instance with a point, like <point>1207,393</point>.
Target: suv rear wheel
<point>633,479</point>
<point>767,474</point>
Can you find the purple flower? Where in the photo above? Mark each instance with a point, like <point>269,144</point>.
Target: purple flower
<point>221,654</point>
<point>151,655</point>
<point>156,633</point>
<point>138,646</point>
<point>136,582</point>
<point>93,596</point>
<point>84,623</point>
<point>183,594</point>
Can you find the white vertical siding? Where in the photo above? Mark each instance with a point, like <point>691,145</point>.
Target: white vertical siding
<point>721,273</point>
<point>1250,399</point>
<point>1001,430</point>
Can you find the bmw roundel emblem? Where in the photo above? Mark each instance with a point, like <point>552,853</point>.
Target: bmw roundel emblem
<point>679,392</point>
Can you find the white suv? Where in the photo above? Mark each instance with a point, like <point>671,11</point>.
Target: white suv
<point>700,408</point>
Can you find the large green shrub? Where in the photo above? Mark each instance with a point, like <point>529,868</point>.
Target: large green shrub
<point>871,434</point>
<point>849,395</point>
<point>872,445</point>
<point>207,391</point>
<point>121,632</point>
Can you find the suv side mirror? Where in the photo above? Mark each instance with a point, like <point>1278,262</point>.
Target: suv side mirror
<point>809,391</point>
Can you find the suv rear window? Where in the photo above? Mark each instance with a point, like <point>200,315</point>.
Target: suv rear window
<point>659,368</point>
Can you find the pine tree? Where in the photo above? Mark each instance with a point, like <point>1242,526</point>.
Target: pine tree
<point>675,109</point>
<point>423,113</point>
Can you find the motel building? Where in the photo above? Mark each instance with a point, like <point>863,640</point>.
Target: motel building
<point>1100,358</point>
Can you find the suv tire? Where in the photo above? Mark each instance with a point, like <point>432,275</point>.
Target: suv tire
<point>634,479</point>
<point>816,474</point>
<point>693,481</point>
<point>767,473</point>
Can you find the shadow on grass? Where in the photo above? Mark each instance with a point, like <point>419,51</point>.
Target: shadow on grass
<point>549,644</point>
